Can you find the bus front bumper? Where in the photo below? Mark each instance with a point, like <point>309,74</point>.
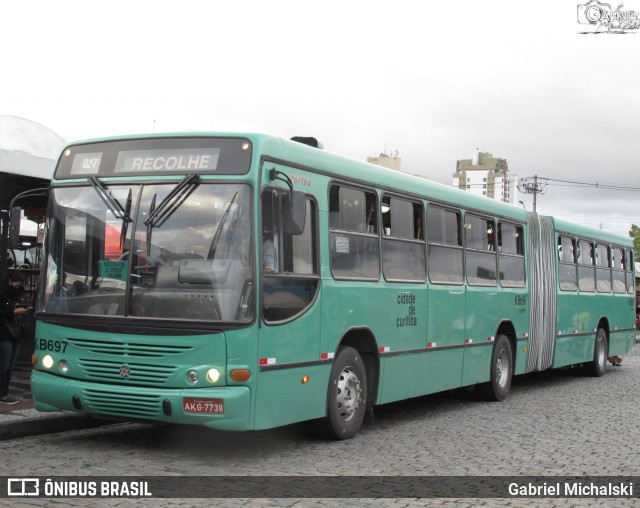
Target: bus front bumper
<point>225,408</point>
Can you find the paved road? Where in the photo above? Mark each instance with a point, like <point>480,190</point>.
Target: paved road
<point>553,423</point>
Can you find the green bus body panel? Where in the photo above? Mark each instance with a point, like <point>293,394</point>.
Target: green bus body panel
<point>158,368</point>
<point>424,337</point>
<point>54,393</point>
<point>281,396</point>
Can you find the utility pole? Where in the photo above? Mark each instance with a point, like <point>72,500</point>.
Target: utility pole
<point>531,185</point>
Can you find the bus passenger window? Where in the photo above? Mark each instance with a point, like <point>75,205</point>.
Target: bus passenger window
<point>630,269</point>
<point>444,237</point>
<point>480,250</point>
<point>402,247</point>
<point>586,269</point>
<point>618,272</point>
<point>511,255</point>
<point>603,268</point>
<point>567,274</point>
<point>353,234</point>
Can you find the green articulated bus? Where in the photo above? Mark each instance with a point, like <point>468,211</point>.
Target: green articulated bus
<point>241,281</point>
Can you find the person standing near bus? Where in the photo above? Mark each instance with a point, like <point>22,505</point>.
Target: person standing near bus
<point>10,292</point>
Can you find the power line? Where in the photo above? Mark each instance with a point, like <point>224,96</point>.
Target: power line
<point>573,183</point>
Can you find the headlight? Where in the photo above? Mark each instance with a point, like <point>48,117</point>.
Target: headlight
<point>213,375</point>
<point>47,361</point>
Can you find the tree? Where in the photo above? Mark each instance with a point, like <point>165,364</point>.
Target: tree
<point>635,234</point>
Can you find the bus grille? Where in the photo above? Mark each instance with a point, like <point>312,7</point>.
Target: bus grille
<point>122,348</point>
<point>125,371</point>
<point>120,404</point>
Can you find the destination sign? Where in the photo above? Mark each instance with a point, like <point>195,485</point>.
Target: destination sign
<point>86,163</point>
<point>162,155</point>
<point>179,159</point>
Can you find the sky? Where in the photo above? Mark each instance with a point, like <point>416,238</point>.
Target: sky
<point>434,81</point>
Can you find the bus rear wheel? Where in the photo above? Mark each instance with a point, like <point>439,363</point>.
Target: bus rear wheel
<point>597,367</point>
<point>501,371</point>
<point>347,395</point>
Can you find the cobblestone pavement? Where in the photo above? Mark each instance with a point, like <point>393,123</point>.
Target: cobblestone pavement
<point>553,423</point>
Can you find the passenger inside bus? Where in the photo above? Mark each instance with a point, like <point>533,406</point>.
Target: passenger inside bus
<point>269,253</point>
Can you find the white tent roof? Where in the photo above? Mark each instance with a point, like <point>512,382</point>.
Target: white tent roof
<point>28,148</point>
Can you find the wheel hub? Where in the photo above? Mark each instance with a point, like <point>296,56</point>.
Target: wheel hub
<point>349,394</point>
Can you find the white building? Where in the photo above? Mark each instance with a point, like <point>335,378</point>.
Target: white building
<point>486,175</point>
<point>388,161</point>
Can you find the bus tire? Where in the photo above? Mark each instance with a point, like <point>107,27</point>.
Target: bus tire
<point>498,387</point>
<point>597,367</point>
<point>346,396</point>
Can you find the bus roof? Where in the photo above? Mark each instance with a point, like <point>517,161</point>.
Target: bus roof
<point>342,167</point>
<point>597,234</point>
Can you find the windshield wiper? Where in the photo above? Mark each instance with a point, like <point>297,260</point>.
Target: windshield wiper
<point>160,214</point>
<point>126,220</point>
<point>114,205</point>
<point>216,237</point>
<point>173,201</point>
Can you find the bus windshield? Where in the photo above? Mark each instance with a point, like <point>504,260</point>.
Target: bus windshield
<point>189,261</point>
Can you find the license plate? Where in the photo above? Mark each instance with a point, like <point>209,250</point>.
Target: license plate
<point>206,406</point>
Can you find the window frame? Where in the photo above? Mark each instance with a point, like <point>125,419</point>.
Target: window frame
<point>585,265</point>
<point>333,231</point>
<point>573,264</point>
<point>391,238</point>
<point>286,277</point>
<point>484,252</point>
<point>519,246</point>
<point>440,245</point>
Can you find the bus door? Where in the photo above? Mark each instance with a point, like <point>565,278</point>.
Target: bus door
<point>401,321</point>
<point>485,303</point>
<point>290,386</point>
<point>447,306</point>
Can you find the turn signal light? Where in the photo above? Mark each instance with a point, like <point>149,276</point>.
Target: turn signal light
<point>240,375</point>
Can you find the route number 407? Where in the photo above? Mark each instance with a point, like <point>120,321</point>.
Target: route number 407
<point>58,346</point>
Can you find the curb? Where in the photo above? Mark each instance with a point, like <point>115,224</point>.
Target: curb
<point>16,429</point>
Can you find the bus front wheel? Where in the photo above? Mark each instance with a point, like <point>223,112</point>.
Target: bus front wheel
<point>347,395</point>
<point>597,367</point>
<point>501,371</point>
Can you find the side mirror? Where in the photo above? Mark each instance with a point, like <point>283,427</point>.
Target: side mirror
<point>295,219</point>
<point>15,216</point>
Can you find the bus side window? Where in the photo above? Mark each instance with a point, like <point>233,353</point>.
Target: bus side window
<point>630,269</point>
<point>618,270</point>
<point>353,234</point>
<point>402,247</point>
<point>444,236</point>
<point>603,268</point>
<point>586,266</point>
<point>511,255</point>
<point>290,262</point>
<point>567,274</point>
<point>480,261</point>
